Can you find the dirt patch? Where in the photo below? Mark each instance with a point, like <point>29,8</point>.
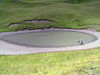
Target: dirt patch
<point>13,25</point>
<point>34,21</point>
<point>90,29</point>
<point>38,21</point>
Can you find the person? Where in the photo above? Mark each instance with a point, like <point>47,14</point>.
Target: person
<point>81,43</point>
<point>78,41</point>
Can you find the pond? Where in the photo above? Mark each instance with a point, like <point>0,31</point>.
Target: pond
<point>59,38</point>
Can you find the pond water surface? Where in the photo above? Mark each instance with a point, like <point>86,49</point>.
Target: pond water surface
<point>58,38</point>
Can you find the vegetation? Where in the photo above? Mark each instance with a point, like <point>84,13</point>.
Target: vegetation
<point>86,62</point>
<point>80,1</point>
<point>65,14</point>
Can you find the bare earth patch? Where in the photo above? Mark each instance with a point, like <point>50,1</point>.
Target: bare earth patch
<point>34,21</point>
<point>37,21</point>
<point>13,25</point>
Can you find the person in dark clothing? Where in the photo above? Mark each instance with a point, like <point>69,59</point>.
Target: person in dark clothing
<point>78,42</point>
<point>82,43</point>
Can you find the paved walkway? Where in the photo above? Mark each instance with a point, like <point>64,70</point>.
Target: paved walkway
<point>13,49</point>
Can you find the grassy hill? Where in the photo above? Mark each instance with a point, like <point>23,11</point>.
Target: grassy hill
<point>63,13</point>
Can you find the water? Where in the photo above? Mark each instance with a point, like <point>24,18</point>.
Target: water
<point>49,38</point>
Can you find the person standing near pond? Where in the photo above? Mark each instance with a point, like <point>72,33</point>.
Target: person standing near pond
<point>81,43</point>
<point>78,42</point>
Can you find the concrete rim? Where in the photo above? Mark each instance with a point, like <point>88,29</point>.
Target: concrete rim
<point>13,49</point>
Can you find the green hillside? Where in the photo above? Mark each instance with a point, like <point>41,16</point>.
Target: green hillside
<point>63,14</point>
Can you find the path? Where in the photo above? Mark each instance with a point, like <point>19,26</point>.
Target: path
<point>13,49</point>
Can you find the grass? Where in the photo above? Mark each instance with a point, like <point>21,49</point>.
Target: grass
<point>86,62</point>
<point>66,15</point>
